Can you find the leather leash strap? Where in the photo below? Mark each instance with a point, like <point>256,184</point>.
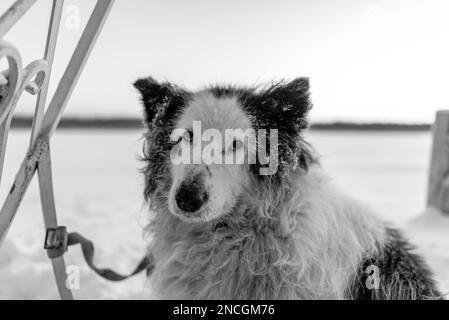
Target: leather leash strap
<point>58,240</point>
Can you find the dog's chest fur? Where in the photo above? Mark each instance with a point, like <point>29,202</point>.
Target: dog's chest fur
<point>311,250</point>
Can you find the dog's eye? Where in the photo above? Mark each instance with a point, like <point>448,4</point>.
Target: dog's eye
<point>236,145</point>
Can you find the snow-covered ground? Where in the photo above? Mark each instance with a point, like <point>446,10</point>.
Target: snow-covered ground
<point>430,231</point>
<point>99,193</point>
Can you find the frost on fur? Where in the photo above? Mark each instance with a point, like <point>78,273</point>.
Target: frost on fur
<point>160,100</point>
<point>289,236</point>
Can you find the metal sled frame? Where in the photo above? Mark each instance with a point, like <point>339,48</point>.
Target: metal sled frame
<point>34,78</point>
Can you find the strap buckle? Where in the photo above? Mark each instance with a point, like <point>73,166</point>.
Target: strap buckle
<point>56,241</point>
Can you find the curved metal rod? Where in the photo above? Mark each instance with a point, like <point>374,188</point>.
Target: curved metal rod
<point>32,79</point>
<point>14,77</point>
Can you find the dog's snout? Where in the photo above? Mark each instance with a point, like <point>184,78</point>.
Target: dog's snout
<point>191,195</point>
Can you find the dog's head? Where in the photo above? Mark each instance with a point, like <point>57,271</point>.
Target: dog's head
<point>207,150</point>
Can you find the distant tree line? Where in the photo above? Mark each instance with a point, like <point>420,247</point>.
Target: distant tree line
<point>133,123</point>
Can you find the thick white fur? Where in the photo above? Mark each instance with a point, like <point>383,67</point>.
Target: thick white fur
<point>301,242</point>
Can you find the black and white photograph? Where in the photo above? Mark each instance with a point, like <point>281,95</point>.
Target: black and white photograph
<point>240,151</point>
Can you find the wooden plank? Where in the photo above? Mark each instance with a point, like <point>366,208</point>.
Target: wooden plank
<point>13,14</point>
<point>44,124</point>
<point>50,219</point>
<point>438,191</point>
<point>75,67</point>
<point>44,166</point>
<point>53,114</point>
<point>59,269</point>
<point>4,130</point>
<point>20,185</point>
<point>50,48</point>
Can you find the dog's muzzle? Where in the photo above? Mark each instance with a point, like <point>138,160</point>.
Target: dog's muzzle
<point>191,195</point>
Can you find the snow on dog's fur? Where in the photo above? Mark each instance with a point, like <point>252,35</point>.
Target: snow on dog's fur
<point>224,231</point>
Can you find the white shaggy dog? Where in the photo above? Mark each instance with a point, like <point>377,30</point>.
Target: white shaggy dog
<point>226,231</point>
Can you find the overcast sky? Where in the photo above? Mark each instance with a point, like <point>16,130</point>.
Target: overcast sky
<point>383,60</point>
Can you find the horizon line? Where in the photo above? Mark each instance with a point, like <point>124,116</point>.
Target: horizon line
<point>75,122</point>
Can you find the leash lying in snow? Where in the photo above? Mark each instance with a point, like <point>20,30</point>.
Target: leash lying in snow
<point>58,240</point>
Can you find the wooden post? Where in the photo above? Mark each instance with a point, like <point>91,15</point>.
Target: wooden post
<point>438,193</point>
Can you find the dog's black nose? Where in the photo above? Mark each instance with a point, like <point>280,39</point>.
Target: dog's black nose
<point>191,195</point>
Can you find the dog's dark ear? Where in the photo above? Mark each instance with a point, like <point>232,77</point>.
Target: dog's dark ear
<point>292,100</point>
<point>158,97</point>
<point>283,105</point>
